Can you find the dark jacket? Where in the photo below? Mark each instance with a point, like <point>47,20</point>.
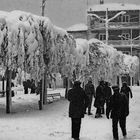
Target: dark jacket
<point>118,106</point>
<point>99,97</point>
<point>78,102</point>
<point>127,91</point>
<point>108,92</point>
<point>89,89</point>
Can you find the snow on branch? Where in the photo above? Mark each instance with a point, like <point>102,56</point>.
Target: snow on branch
<point>104,61</point>
<point>30,42</point>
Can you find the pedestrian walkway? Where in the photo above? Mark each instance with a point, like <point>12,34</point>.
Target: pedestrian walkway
<point>53,123</point>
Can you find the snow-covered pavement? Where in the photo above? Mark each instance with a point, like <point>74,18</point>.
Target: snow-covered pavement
<point>26,122</point>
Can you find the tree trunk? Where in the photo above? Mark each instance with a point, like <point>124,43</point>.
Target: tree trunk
<point>3,85</point>
<point>8,92</point>
<point>41,95</point>
<point>45,88</point>
<point>66,86</point>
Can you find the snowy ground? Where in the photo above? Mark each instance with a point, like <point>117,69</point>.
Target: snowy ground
<point>26,122</point>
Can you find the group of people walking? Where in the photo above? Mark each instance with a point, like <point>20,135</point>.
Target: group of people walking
<point>29,84</point>
<point>117,105</point>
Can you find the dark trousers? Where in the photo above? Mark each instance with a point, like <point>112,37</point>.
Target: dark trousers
<point>76,125</point>
<point>98,111</point>
<point>25,90</point>
<point>122,122</point>
<point>90,104</point>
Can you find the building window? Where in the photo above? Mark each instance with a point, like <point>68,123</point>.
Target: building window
<point>126,52</point>
<point>102,37</point>
<point>125,36</point>
<point>124,18</point>
<point>103,17</point>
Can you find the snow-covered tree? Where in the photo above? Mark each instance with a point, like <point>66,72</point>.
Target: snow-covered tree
<point>106,63</point>
<point>30,42</point>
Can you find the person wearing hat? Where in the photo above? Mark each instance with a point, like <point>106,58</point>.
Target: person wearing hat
<point>99,99</point>
<point>78,101</point>
<point>108,92</point>
<point>90,92</point>
<point>126,90</point>
<point>118,108</point>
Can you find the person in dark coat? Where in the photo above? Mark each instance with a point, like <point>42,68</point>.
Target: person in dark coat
<point>33,87</point>
<point>126,90</point>
<point>25,85</point>
<point>99,99</point>
<point>78,101</point>
<point>39,87</point>
<point>90,92</point>
<point>119,109</point>
<point>12,91</point>
<point>108,93</point>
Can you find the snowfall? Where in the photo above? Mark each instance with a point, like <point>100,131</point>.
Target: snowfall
<point>27,122</point>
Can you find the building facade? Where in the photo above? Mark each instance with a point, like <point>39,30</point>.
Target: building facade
<point>117,25</point>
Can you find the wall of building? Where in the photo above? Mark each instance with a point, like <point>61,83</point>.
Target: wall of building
<point>79,34</point>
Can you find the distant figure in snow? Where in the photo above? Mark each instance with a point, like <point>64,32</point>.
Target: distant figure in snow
<point>90,92</point>
<point>78,101</point>
<point>12,91</point>
<point>33,87</point>
<point>99,99</point>
<point>25,85</point>
<point>108,93</point>
<point>126,90</point>
<point>39,87</point>
<point>119,109</point>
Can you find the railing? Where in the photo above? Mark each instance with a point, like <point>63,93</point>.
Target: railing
<point>123,42</point>
<point>116,24</point>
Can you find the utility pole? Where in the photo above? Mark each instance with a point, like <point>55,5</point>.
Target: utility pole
<point>43,7</point>
<point>106,25</point>
<point>131,52</point>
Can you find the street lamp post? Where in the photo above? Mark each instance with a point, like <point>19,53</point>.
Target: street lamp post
<point>43,7</point>
<point>107,20</point>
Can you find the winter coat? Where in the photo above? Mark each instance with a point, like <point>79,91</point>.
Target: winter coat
<point>25,84</point>
<point>127,91</point>
<point>39,87</point>
<point>33,87</point>
<point>108,92</point>
<point>89,89</point>
<point>78,102</point>
<point>100,97</point>
<point>118,106</point>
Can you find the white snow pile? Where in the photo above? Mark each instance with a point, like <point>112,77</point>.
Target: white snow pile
<point>28,42</point>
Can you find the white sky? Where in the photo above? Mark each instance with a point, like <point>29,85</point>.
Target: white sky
<point>63,13</point>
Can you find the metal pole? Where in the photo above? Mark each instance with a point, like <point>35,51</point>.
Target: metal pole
<point>106,24</point>
<point>43,7</point>
<point>131,39</point>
